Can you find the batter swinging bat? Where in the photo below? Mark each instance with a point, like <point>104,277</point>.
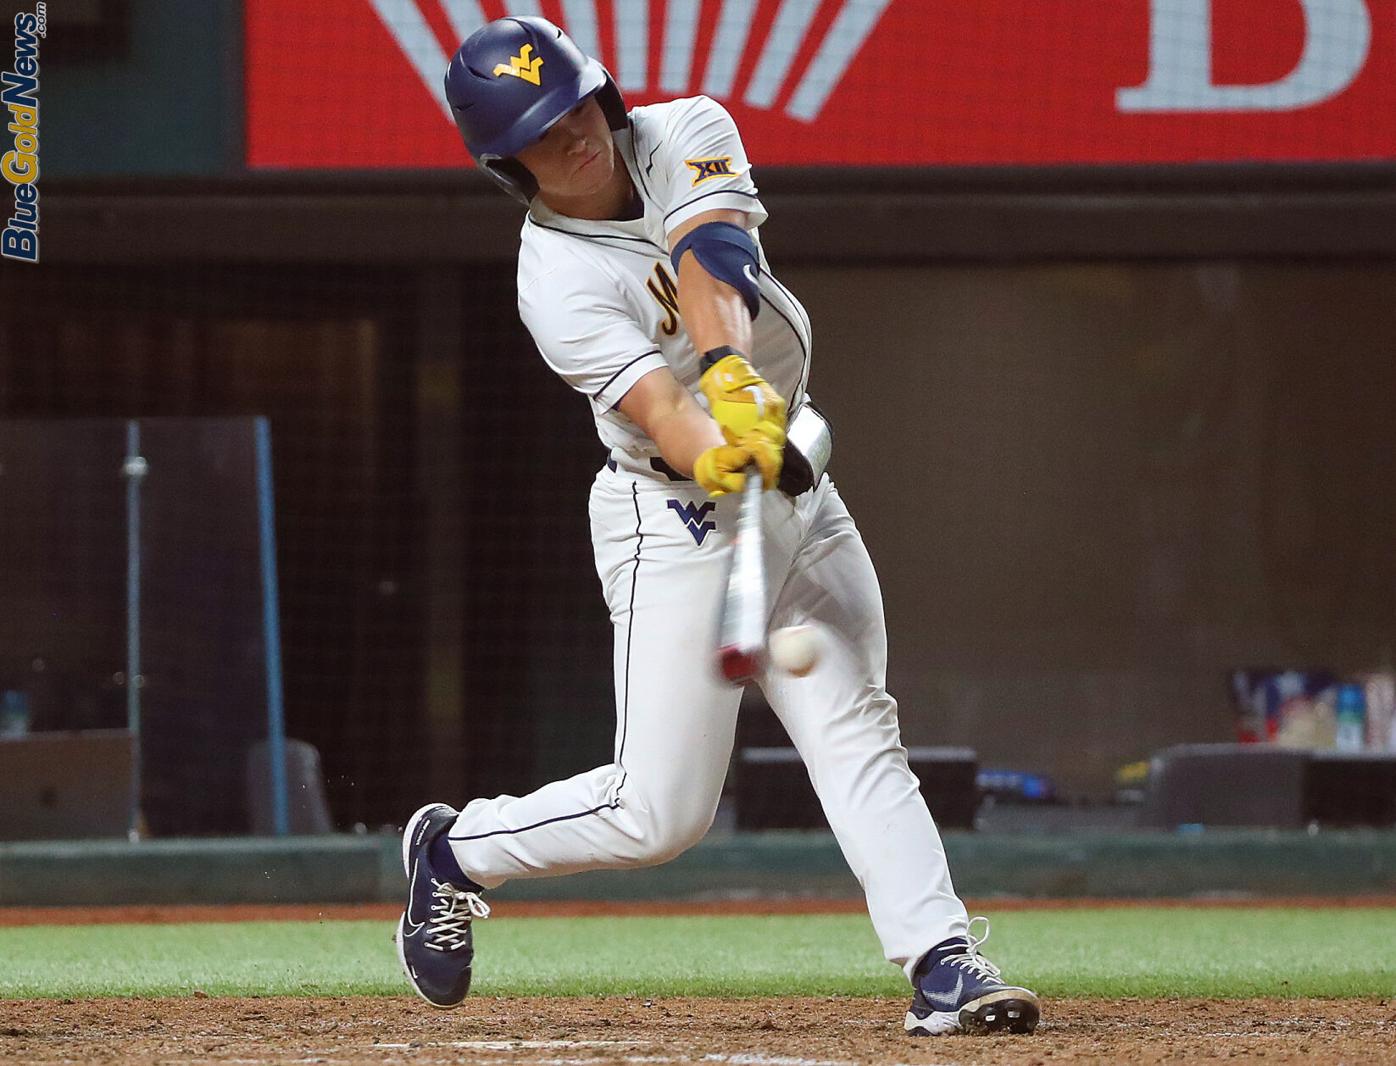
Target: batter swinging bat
<point>741,635</point>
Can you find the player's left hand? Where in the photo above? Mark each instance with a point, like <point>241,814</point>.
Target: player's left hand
<point>742,402</point>
<point>722,469</point>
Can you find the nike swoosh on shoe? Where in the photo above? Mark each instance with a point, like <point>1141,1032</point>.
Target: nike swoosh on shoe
<point>948,1000</point>
<point>408,920</point>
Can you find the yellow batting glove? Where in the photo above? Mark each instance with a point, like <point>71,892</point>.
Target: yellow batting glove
<point>742,402</point>
<point>722,469</point>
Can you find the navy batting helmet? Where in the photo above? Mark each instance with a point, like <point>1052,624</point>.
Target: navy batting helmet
<point>510,82</point>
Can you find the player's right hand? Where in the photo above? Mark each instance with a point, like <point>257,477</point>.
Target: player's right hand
<point>722,469</point>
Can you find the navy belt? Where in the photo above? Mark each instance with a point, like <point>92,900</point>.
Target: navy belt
<point>659,466</point>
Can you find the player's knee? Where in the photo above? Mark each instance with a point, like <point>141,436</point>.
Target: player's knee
<point>669,833</point>
<point>682,836</point>
<point>664,849</point>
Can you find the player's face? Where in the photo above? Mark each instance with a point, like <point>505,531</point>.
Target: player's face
<point>576,158</point>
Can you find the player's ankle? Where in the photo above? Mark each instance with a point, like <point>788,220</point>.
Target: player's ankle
<point>443,862</point>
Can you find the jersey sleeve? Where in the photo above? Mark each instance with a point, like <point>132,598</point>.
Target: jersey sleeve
<point>588,338</point>
<point>707,164</point>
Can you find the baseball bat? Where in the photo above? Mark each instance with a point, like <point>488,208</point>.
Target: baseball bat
<point>741,638</point>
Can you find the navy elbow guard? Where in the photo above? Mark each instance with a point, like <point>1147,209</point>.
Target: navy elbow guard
<point>728,253</point>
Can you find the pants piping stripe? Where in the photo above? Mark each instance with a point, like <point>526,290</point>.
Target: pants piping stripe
<point>630,628</point>
<point>538,825</point>
<point>625,705</point>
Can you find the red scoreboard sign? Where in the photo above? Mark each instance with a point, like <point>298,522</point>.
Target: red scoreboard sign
<point>357,83</point>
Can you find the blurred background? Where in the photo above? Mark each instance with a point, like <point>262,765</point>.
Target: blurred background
<point>1102,299</point>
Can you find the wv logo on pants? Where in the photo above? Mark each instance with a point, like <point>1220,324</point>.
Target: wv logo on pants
<point>695,518</point>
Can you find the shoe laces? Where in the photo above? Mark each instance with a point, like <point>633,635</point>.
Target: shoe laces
<point>452,910</point>
<point>970,960</point>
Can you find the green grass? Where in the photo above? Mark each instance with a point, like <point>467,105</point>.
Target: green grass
<point>1110,953</point>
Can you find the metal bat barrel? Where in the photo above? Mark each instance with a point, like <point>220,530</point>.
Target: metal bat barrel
<point>741,642</point>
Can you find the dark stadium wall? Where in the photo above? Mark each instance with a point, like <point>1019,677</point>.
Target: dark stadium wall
<point>332,363</point>
<point>150,87</point>
<point>1092,490</point>
<point>1108,432</point>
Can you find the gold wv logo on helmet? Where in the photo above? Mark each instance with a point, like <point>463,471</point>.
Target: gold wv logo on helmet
<point>520,66</point>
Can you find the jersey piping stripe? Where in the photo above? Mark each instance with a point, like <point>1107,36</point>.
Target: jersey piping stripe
<point>600,236</point>
<point>799,339</point>
<point>597,394</point>
<point>625,706</point>
<point>635,151</point>
<point>715,192</point>
<point>804,367</point>
<point>791,297</point>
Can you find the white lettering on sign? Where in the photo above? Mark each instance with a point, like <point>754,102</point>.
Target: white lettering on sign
<point>1337,39</point>
<point>731,46</point>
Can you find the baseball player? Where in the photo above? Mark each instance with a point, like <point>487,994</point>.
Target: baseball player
<point>643,283</point>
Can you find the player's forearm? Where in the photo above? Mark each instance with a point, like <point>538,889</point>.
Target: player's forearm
<point>713,312</point>
<point>668,414</point>
<point>682,433</point>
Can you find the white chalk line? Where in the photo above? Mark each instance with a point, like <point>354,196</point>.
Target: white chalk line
<point>513,1045</point>
<point>744,1058</point>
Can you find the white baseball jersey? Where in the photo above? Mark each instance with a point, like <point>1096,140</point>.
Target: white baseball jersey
<point>599,297</point>
<point>599,300</point>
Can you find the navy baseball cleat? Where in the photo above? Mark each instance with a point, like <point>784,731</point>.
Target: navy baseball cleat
<point>959,991</point>
<point>433,934</point>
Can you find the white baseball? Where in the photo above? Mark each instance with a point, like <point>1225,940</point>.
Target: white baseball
<point>795,649</point>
